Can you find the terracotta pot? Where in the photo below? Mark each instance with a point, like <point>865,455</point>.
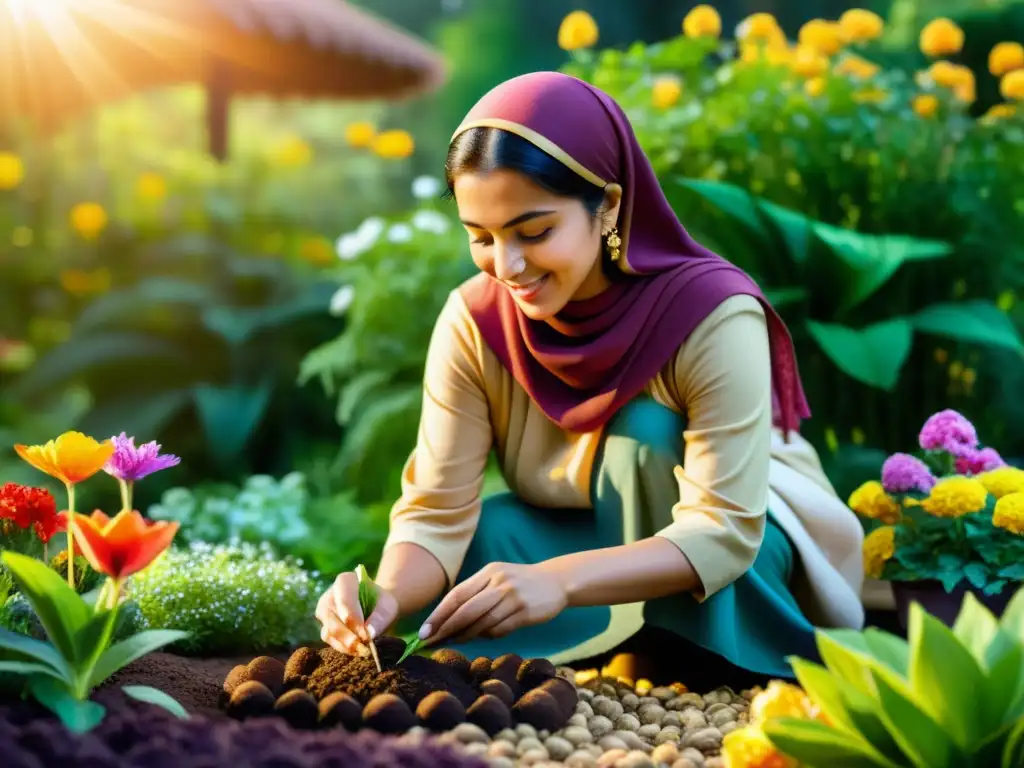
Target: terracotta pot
<point>943,605</point>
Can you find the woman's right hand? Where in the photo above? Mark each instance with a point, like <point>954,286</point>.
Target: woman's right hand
<point>343,626</point>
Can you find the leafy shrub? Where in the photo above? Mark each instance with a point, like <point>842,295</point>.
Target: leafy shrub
<point>231,599</point>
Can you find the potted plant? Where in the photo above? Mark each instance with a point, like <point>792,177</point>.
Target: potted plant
<point>945,521</point>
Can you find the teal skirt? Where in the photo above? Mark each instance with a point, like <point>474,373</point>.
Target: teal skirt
<point>753,624</point>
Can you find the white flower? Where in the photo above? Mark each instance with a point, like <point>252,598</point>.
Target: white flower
<point>400,233</point>
<point>430,221</point>
<point>358,242</point>
<point>342,300</point>
<point>424,187</point>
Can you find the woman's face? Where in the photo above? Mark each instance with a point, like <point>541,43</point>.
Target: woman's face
<point>546,249</point>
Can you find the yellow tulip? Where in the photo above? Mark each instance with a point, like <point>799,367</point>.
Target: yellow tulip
<point>666,92</point>
<point>702,21</point>
<point>1005,57</point>
<point>1012,85</point>
<point>88,220</point>
<point>858,25</point>
<point>578,30</point>
<point>393,145</point>
<point>941,37</point>
<point>360,135</point>
<point>823,36</point>
<point>12,170</point>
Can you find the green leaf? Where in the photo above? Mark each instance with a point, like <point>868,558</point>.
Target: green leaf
<point>367,592</point>
<point>22,647</point>
<point>1013,617</point>
<point>354,392</point>
<point>817,744</point>
<point>131,303</point>
<point>230,415</point>
<point>823,689</point>
<point>873,259</point>
<point>1003,697</point>
<point>792,228</point>
<point>847,664</point>
<point>60,610</point>
<point>783,297</point>
<point>980,322</point>
<point>888,649</point>
<point>29,668</point>
<point>978,630</point>
<point>155,696</point>
<point>78,716</point>
<point>976,574</point>
<point>921,738</point>
<point>874,355</point>
<point>1013,752</point>
<point>732,200</point>
<point>412,644</point>
<point>945,678</point>
<point>92,639</point>
<point>125,652</point>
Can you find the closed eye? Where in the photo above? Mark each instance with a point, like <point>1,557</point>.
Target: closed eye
<point>535,238</point>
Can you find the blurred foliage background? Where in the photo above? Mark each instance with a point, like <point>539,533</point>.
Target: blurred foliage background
<point>265,316</point>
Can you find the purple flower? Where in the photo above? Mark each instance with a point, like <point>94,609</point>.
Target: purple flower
<point>976,462</point>
<point>949,431</point>
<point>130,463</point>
<point>902,472</point>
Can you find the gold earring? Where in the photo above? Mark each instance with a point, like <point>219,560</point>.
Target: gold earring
<point>614,241</point>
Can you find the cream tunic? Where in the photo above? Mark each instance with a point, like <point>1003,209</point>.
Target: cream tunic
<point>735,466</point>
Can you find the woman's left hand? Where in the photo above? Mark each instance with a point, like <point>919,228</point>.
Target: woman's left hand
<point>499,598</point>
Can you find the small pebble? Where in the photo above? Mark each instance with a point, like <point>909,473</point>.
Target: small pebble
<point>501,762</point>
<point>476,749</point>
<point>721,695</point>
<point>607,689</point>
<point>706,739</point>
<point>502,748</point>
<point>581,759</point>
<point>528,744</point>
<point>665,753</point>
<point>525,729</point>
<point>468,733</point>
<point>669,734</point>
<point>593,749</point>
<point>543,734</point>
<point>714,762</point>
<point>651,714</point>
<point>728,727</point>
<point>627,722</point>
<point>608,707</point>
<point>579,720</point>
<point>723,716</point>
<point>610,742</point>
<point>635,759</point>
<point>599,725</point>
<point>685,762</point>
<point>717,707</point>
<point>695,756</point>
<point>749,695</point>
<point>507,735</point>
<point>693,719</point>
<point>611,757</point>
<point>585,694</point>
<point>558,747</point>
<point>630,701</point>
<point>648,732</point>
<point>576,735</point>
<point>663,693</point>
<point>672,719</point>
<point>684,700</point>
<point>533,756</point>
<point>630,739</point>
<point>583,708</point>
<point>645,700</point>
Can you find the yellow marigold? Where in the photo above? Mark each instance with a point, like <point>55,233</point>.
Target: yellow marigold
<point>1002,481</point>
<point>1009,513</point>
<point>925,105</point>
<point>393,145</point>
<point>1012,85</point>
<point>702,21</point>
<point>947,74</point>
<point>88,220</point>
<point>1005,57</point>
<point>781,699</point>
<point>666,91</point>
<point>823,36</point>
<point>151,186</point>
<point>941,37</point>
<point>1001,112</point>
<point>879,547</point>
<point>856,67</point>
<point>577,30</point>
<point>759,27</point>
<point>12,170</point>
<point>779,54</point>
<point>870,500</point>
<point>966,91</point>
<point>815,86</point>
<point>360,134</point>
<point>809,62</point>
<point>748,747</point>
<point>858,25</point>
<point>956,496</point>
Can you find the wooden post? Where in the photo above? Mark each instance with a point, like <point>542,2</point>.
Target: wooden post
<point>218,108</point>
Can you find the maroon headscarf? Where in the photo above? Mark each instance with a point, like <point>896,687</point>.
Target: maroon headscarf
<point>597,354</point>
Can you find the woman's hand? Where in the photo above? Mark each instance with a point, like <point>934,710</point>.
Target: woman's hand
<point>496,600</point>
<point>343,625</point>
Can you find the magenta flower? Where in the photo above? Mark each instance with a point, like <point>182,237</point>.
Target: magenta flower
<point>949,431</point>
<point>902,473</point>
<point>977,462</point>
<point>131,464</point>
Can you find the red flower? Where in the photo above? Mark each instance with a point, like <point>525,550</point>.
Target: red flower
<point>35,507</point>
<point>124,544</point>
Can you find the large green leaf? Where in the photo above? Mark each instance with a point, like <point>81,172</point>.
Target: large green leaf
<point>979,632</point>
<point>236,325</point>
<point>130,303</point>
<point>783,297</point>
<point>874,355</point>
<point>1012,620</point>
<point>60,610</point>
<point>844,659</point>
<point>1013,752</point>
<point>731,200</point>
<point>155,696</point>
<point>888,649</point>
<point>792,228</point>
<point>816,744</point>
<point>921,738</point>
<point>823,689</point>
<point>980,322</point>
<point>230,415</point>
<point>15,646</point>
<point>1003,698</point>
<point>77,715</point>
<point>945,678</point>
<point>31,668</point>
<point>871,260</point>
<point>137,413</point>
<point>125,652</point>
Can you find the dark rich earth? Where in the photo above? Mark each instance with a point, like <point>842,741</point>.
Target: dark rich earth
<point>318,688</point>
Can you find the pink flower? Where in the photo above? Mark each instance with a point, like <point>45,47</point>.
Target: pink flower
<point>130,463</point>
<point>976,462</point>
<point>902,472</point>
<point>949,431</point>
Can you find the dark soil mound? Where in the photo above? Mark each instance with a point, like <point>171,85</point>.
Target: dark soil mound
<point>138,735</point>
